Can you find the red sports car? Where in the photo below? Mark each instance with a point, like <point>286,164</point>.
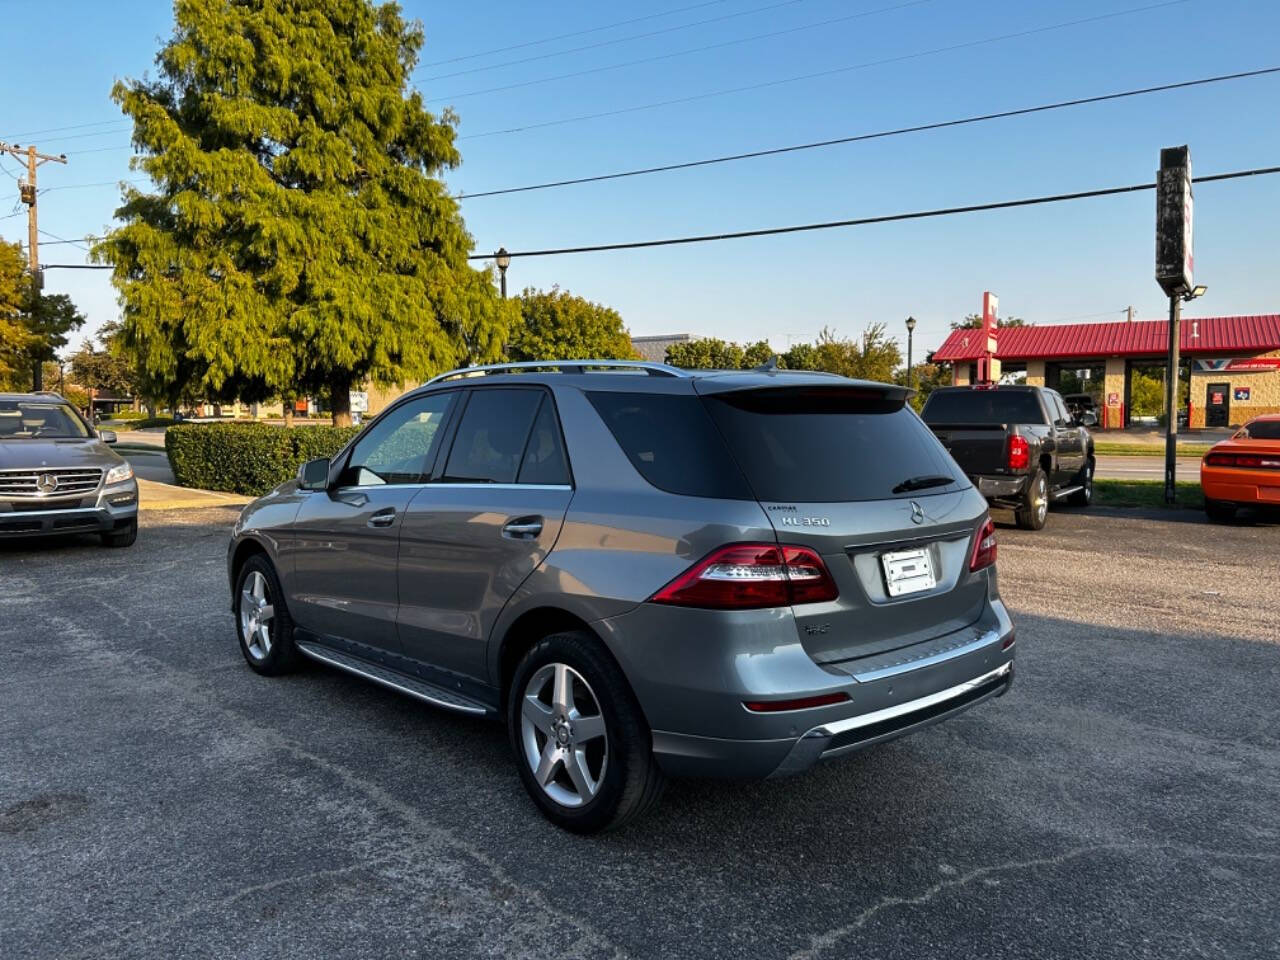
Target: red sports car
<point>1243,471</point>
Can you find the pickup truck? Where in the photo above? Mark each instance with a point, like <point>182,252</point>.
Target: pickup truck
<point>1020,446</point>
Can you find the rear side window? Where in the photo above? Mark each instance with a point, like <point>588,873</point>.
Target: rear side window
<point>1261,430</point>
<point>490,443</point>
<point>982,406</point>
<point>832,445</point>
<point>544,460</point>
<point>672,442</point>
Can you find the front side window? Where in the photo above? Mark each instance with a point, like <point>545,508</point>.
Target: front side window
<point>40,420</point>
<point>401,445</point>
<point>492,438</point>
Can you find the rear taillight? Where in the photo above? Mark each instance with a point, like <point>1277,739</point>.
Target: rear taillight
<point>1019,453</point>
<point>747,576</point>
<point>1255,461</point>
<point>984,548</point>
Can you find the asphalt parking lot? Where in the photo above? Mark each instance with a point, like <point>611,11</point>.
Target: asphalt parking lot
<point>157,799</point>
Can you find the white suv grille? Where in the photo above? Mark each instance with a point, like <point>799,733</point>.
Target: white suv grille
<point>49,482</point>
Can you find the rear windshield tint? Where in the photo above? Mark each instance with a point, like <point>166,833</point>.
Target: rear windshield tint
<point>1262,430</point>
<point>672,442</point>
<point>982,406</point>
<point>830,445</point>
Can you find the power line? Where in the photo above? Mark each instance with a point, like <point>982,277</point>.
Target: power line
<point>576,33</point>
<point>828,225</point>
<point>75,126</point>
<point>880,134</point>
<point>863,221</point>
<point>823,73</point>
<point>615,41</point>
<point>683,53</point>
<point>57,239</point>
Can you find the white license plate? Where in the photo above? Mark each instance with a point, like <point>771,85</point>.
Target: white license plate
<point>908,571</point>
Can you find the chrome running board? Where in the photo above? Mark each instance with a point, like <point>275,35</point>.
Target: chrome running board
<point>392,679</point>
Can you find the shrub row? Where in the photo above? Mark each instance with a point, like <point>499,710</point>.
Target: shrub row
<point>249,458</point>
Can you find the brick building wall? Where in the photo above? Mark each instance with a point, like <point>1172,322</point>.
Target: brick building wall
<point>1264,392</point>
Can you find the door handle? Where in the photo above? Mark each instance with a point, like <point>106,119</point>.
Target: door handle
<point>383,518</point>
<point>522,528</point>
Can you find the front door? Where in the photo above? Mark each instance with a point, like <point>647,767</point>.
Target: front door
<point>1217,405</point>
<point>474,534</point>
<point>347,537</point>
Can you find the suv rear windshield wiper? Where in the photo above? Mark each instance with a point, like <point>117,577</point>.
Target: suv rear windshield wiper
<point>923,483</point>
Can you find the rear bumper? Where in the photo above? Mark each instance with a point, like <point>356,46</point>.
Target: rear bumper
<point>1000,488</point>
<point>1242,486</point>
<point>694,699</point>
<point>109,509</point>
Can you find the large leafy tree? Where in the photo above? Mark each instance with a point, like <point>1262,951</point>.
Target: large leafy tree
<point>299,238</point>
<point>705,354</point>
<point>15,291</point>
<point>53,318</point>
<point>555,325</point>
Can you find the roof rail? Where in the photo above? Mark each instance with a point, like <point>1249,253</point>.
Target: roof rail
<point>564,366</point>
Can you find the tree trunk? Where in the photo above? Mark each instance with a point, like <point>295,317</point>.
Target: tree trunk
<point>37,377</point>
<point>287,406</point>
<point>340,401</point>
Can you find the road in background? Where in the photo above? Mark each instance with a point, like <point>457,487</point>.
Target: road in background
<point>159,799</point>
<point>1144,468</point>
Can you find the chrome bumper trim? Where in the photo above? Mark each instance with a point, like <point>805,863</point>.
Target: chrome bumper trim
<point>911,706</point>
<point>50,513</point>
<point>906,666</point>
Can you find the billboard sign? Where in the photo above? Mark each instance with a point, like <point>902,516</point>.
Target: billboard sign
<point>1175,256</point>
<point>1237,365</point>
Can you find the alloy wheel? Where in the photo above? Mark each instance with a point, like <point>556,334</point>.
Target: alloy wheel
<point>256,613</point>
<point>563,733</point>
<point>1040,500</point>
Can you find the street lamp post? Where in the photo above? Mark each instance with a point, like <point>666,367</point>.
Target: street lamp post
<point>911,329</point>
<point>504,260</point>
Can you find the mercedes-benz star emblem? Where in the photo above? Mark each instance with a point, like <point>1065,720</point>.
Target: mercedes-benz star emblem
<point>917,513</point>
<point>46,483</point>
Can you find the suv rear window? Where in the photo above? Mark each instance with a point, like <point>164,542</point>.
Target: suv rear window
<point>982,406</point>
<point>831,445</point>
<point>672,442</point>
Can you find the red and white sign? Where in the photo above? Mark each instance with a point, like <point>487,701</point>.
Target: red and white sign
<point>1113,399</point>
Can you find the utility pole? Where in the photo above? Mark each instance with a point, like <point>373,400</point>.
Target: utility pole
<point>1129,315</point>
<point>27,193</point>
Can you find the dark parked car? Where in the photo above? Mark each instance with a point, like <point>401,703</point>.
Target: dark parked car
<point>1019,445</point>
<point>642,570</point>
<point>59,476</point>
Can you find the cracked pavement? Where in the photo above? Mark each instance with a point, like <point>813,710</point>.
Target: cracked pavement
<point>158,799</point>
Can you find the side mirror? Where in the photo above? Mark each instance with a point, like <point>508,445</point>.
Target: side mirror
<point>314,474</point>
<point>1089,420</point>
<point>107,436</point>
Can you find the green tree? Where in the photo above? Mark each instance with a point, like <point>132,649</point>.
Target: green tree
<point>973,321</point>
<point>928,377</point>
<point>300,237</point>
<point>101,371</point>
<point>555,325</point>
<point>705,354</point>
<point>875,356</point>
<point>49,323</point>
<point>15,292</point>
<point>757,354</point>
<point>801,356</point>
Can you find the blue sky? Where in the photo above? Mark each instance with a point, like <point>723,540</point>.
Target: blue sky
<point>1047,264</point>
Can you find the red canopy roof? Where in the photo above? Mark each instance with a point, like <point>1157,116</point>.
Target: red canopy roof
<point>1201,335</point>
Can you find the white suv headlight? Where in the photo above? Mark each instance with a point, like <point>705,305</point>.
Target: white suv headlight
<point>119,474</point>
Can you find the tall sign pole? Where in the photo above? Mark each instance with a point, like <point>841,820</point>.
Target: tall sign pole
<point>1175,262</point>
<point>988,365</point>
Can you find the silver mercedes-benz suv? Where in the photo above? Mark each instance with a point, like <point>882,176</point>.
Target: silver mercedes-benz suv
<point>641,570</point>
<point>58,476</point>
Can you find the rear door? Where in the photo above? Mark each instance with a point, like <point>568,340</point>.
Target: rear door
<point>474,533</point>
<point>855,475</point>
<point>347,537</point>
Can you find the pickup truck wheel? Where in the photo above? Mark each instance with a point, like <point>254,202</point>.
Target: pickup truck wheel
<point>1034,510</point>
<point>1084,496</point>
<point>582,746</point>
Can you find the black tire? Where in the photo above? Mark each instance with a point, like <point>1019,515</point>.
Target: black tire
<point>629,780</point>
<point>280,654</point>
<point>1084,496</point>
<point>1033,511</point>
<point>123,537</point>
<point>1219,511</point>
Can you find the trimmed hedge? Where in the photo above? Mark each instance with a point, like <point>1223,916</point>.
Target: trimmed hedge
<point>249,458</point>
